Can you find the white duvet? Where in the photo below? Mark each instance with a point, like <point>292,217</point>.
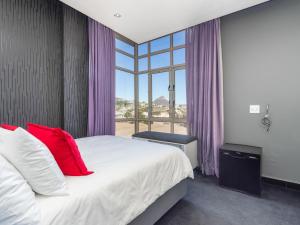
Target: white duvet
<point>129,176</point>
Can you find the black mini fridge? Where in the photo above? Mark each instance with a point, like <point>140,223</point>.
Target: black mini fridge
<point>240,168</point>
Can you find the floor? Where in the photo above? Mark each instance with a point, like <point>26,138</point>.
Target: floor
<point>208,204</point>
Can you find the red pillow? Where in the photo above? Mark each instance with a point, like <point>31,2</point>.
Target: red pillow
<point>8,127</point>
<point>63,147</point>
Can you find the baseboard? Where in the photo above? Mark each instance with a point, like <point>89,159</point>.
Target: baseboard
<point>281,183</point>
<point>267,180</point>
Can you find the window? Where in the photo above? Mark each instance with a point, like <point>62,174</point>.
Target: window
<point>160,95</point>
<point>151,85</point>
<point>180,94</point>
<point>124,95</point>
<point>124,128</point>
<point>143,49</point>
<point>143,96</point>
<point>180,128</point>
<point>162,87</point>
<point>143,64</point>
<point>160,44</point>
<point>125,83</point>
<point>179,38</point>
<point>160,60</point>
<point>179,56</point>
<point>143,126</point>
<point>123,46</point>
<point>161,126</point>
<point>124,61</point>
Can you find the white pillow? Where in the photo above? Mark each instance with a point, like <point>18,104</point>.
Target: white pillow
<point>17,201</point>
<point>33,160</point>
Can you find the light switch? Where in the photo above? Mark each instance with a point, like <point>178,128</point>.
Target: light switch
<point>254,108</point>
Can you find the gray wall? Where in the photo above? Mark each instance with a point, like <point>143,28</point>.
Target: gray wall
<point>43,65</point>
<point>261,56</point>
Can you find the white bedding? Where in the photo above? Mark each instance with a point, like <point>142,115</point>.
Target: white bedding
<point>129,176</point>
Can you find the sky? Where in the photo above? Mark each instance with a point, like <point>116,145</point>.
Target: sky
<point>160,82</point>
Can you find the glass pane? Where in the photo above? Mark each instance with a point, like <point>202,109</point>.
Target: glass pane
<point>143,126</point>
<point>124,46</point>
<point>180,128</point>
<point>124,61</point>
<point>179,56</point>
<point>143,49</point>
<point>124,95</point>
<point>160,60</point>
<point>161,127</point>
<point>160,95</point>
<point>125,129</point>
<point>143,64</point>
<point>179,38</point>
<point>160,44</point>
<point>180,94</point>
<point>143,96</point>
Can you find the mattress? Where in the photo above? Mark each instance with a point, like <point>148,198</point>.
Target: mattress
<point>129,175</point>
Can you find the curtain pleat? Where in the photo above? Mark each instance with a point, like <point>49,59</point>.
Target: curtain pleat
<point>101,112</point>
<point>205,92</point>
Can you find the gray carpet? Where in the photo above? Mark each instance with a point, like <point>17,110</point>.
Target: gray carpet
<point>208,204</point>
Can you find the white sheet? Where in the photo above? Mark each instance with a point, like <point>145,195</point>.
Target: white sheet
<point>129,176</point>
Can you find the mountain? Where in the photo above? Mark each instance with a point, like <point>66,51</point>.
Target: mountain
<point>122,100</point>
<point>161,101</point>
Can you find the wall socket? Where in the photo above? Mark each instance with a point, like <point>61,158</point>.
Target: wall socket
<point>254,109</point>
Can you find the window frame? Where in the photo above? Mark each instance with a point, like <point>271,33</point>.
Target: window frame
<point>170,69</point>
<point>133,72</point>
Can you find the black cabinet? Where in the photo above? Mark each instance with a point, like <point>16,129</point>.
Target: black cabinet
<point>240,168</point>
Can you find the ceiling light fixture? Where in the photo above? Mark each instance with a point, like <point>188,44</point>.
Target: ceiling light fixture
<point>118,15</point>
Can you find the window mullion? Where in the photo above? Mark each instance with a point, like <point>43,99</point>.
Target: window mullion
<point>149,88</point>
<point>136,90</point>
<point>171,85</point>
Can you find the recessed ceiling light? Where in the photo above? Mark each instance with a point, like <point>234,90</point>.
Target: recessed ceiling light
<point>118,15</point>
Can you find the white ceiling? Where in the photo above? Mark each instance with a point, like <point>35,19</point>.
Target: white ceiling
<point>144,20</point>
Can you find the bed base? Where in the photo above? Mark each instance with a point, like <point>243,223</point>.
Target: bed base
<point>156,210</point>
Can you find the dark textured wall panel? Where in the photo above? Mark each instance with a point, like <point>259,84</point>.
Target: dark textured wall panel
<point>75,72</point>
<point>31,62</point>
<point>43,65</point>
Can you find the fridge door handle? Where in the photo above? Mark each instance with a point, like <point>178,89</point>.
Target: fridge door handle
<point>252,157</point>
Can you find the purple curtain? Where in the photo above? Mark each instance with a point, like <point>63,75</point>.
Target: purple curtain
<point>205,92</point>
<point>101,112</point>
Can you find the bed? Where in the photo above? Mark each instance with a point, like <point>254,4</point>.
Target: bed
<point>135,182</point>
